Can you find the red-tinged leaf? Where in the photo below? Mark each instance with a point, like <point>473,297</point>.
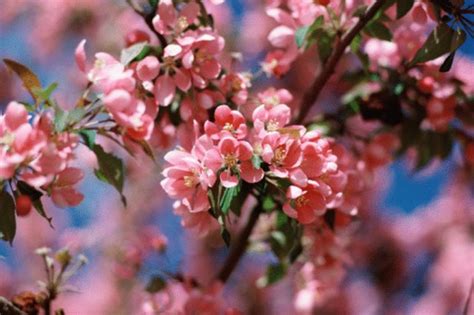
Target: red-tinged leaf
<point>29,79</point>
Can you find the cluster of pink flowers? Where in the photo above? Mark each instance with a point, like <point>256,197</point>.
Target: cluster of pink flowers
<point>229,152</point>
<point>32,151</point>
<point>116,85</point>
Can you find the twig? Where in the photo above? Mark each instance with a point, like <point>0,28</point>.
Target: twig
<point>330,66</point>
<point>148,18</point>
<point>6,307</point>
<point>238,249</point>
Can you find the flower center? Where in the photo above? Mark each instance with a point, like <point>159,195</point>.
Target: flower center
<point>181,24</point>
<point>301,201</point>
<point>202,55</point>
<point>190,181</point>
<point>272,126</point>
<point>230,160</point>
<point>228,127</point>
<point>279,157</point>
<point>168,62</point>
<point>236,84</point>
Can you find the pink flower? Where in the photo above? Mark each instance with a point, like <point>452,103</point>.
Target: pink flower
<point>108,74</point>
<point>165,85</point>
<point>380,150</point>
<point>129,113</point>
<point>440,112</point>
<point>304,204</point>
<point>272,97</point>
<point>80,56</point>
<point>148,68</point>
<point>233,158</point>
<point>199,55</point>
<point>282,152</point>
<point>187,179</point>
<point>167,20</point>
<point>227,122</point>
<point>235,86</point>
<point>201,222</point>
<point>270,118</point>
<point>63,193</point>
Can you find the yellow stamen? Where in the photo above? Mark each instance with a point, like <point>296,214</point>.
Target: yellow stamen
<point>230,160</point>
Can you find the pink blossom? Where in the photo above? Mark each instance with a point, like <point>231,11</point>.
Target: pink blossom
<point>235,157</point>
<point>63,193</point>
<point>148,68</point>
<point>282,152</point>
<point>304,204</point>
<point>227,122</point>
<point>188,180</point>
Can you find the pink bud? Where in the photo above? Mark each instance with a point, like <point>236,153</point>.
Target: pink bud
<point>80,55</point>
<point>117,100</point>
<point>15,115</point>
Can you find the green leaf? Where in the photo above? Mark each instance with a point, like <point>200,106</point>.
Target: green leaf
<point>130,53</point>
<point>324,42</point>
<point>155,285</point>
<point>281,220</point>
<point>45,94</point>
<point>274,273</point>
<point>403,7</point>
<point>35,196</point>
<point>29,79</point>
<point>111,170</point>
<point>441,41</point>
<point>227,196</point>
<point>268,204</point>
<point>448,62</point>
<point>378,30</point>
<point>7,217</point>
<point>256,161</point>
<point>89,137</point>
<point>63,119</point>
<point>300,36</point>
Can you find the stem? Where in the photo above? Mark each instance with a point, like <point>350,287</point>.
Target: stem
<point>330,66</point>
<point>238,249</point>
<point>47,306</point>
<point>9,308</point>
<point>148,18</point>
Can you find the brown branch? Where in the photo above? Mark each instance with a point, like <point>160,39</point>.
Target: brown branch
<point>148,18</point>
<point>238,249</point>
<point>330,66</point>
<point>6,307</point>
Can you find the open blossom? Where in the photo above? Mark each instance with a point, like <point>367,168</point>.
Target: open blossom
<point>187,179</point>
<point>200,49</point>
<point>227,122</point>
<point>235,86</point>
<point>168,20</point>
<point>235,157</point>
<point>282,152</point>
<point>63,192</point>
<point>304,204</point>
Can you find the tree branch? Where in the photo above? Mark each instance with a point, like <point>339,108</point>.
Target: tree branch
<point>238,249</point>
<point>6,307</point>
<point>330,66</point>
<point>148,18</point>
